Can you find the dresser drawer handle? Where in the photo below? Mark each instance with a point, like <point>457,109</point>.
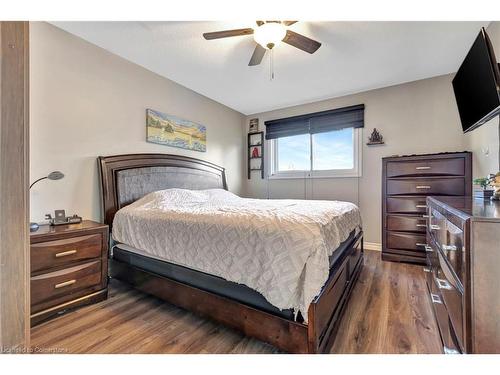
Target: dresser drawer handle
<point>448,247</point>
<point>422,168</point>
<point>435,298</point>
<point>427,269</point>
<point>421,225</point>
<point>423,187</point>
<point>425,216</point>
<point>65,253</point>
<point>421,244</point>
<point>443,284</point>
<point>428,249</point>
<point>66,283</point>
<point>421,206</point>
<point>435,227</point>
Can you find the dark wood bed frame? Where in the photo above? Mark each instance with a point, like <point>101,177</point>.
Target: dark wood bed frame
<point>324,313</point>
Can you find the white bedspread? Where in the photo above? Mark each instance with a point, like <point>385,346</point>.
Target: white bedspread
<point>278,247</point>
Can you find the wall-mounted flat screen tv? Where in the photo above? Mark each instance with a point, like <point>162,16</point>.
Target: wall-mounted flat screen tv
<point>476,84</point>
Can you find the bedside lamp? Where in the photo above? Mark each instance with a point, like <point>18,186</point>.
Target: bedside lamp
<point>56,175</point>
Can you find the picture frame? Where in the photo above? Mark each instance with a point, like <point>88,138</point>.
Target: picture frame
<point>169,130</point>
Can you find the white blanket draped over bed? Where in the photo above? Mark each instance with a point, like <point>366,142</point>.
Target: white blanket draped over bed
<point>278,247</point>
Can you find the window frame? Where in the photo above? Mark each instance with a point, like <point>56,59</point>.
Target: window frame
<point>356,171</point>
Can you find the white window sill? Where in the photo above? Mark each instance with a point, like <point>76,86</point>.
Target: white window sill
<point>316,176</point>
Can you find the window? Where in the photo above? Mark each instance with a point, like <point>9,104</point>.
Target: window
<point>328,154</point>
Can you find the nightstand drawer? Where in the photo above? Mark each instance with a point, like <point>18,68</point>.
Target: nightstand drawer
<point>51,254</point>
<point>64,282</point>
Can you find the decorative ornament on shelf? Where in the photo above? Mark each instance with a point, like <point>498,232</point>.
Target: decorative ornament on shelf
<point>253,125</point>
<point>255,152</point>
<point>375,138</point>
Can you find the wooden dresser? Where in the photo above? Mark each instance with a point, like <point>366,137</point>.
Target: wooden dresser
<point>406,182</point>
<point>463,272</point>
<point>69,268</point>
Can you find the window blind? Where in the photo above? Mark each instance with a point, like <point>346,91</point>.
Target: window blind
<point>318,122</point>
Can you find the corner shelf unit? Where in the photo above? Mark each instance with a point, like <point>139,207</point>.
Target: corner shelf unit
<point>255,140</point>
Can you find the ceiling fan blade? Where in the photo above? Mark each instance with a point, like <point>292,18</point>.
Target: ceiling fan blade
<point>227,33</point>
<point>257,56</point>
<point>288,23</point>
<point>301,42</point>
<point>259,23</point>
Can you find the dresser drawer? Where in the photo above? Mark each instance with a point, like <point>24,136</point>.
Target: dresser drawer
<point>406,241</point>
<point>442,167</point>
<point>427,186</point>
<point>442,319</point>
<point>406,205</point>
<point>452,295</point>
<point>450,239</point>
<point>437,226</point>
<point>64,282</point>
<point>407,223</point>
<point>432,255</point>
<point>51,254</point>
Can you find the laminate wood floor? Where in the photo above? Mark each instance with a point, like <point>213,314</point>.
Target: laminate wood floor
<point>389,312</point>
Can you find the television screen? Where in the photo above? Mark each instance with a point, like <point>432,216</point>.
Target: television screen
<point>476,84</point>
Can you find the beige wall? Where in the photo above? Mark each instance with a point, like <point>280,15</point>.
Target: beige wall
<point>417,117</point>
<point>483,141</point>
<point>87,102</point>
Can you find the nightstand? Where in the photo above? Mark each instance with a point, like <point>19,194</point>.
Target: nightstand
<point>69,268</point>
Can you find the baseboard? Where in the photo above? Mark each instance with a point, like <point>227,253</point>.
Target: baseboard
<point>372,246</point>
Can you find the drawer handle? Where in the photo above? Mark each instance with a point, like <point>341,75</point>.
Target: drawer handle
<point>425,216</point>
<point>427,269</point>
<point>422,168</point>
<point>423,186</point>
<point>422,225</point>
<point>65,253</point>
<point>443,284</point>
<point>428,249</point>
<point>448,247</point>
<point>447,350</point>
<point>435,227</point>
<point>66,283</point>
<point>435,298</point>
<point>421,206</point>
<point>421,244</point>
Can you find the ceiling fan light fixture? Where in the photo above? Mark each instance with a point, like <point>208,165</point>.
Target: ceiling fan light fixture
<point>269,34</point>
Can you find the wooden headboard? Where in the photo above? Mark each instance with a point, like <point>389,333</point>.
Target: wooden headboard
<point>126,178</point>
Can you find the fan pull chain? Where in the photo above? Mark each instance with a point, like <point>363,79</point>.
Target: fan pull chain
<point>271,65</point>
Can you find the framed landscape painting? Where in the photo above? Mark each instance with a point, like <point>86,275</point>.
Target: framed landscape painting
<point>173,131</point>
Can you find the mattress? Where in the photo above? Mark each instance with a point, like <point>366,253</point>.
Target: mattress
<point>214,284</point>
<point>279,248</point>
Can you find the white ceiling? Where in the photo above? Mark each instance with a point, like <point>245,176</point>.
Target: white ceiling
<point>354,57</point>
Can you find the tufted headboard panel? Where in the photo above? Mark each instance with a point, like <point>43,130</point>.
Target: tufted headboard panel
<point>126,178</point>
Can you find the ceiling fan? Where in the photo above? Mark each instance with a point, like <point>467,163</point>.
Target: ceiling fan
<point>268,34</point>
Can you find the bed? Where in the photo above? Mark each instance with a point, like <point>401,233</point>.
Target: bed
<point>266,268</point>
